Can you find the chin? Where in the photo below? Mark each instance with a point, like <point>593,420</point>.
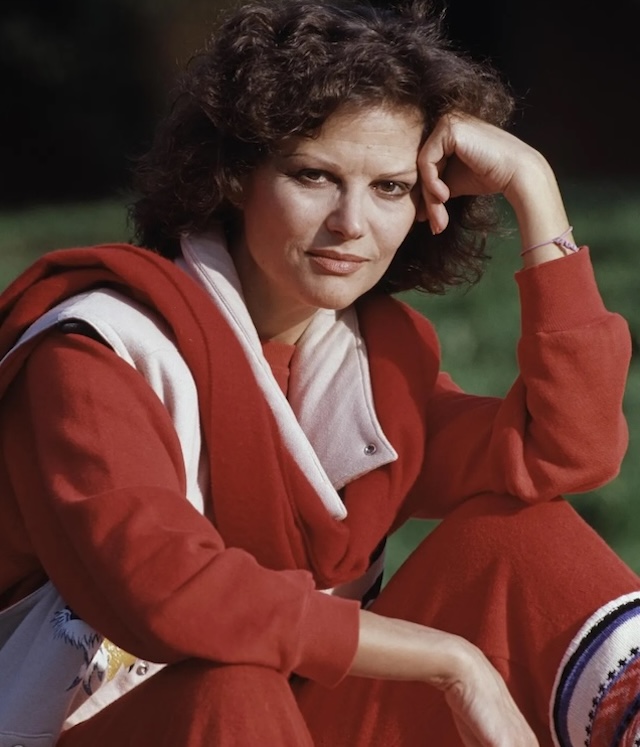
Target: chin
<point>336,303</point>
<point>337,299</point>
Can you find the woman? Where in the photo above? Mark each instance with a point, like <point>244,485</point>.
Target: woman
<point>205,434</point>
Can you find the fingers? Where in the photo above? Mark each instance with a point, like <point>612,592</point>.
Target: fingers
<point>435,213</point>
<point>464,155</point>
<point>469,739</point>
<point>503,734</point>
<point>432,162</point>
<point>484,711</point>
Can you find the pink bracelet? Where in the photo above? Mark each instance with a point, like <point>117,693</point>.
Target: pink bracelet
<point>558,241</point>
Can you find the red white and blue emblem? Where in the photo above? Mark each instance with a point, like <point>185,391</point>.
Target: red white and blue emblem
<point>596,697</point>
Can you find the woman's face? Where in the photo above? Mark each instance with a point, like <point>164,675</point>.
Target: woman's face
<point>324,217</point>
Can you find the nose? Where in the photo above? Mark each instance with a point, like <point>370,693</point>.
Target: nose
<point>347,219</point>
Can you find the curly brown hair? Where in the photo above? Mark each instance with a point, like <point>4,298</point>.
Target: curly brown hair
<point>280,68</point>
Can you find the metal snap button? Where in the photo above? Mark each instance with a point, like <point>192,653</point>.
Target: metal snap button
<point>142,668</point>
<point>370,449</point>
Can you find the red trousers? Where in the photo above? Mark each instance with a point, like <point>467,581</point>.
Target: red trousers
<point>517,581</point>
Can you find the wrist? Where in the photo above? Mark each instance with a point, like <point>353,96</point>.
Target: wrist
<point>535,197</point>
<point>395,649</point>
<point>459,661</point>
<point>534,179</point>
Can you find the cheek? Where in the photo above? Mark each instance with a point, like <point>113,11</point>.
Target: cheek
<point>396,230</point>
<point>284,214</point>
<point>264,228</point>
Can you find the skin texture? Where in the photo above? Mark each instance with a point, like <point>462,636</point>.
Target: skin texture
<point>324,218</point>
<point>322,221</point>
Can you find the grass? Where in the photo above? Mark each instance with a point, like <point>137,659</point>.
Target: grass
<point>478,328</point>
<point>28,233</point>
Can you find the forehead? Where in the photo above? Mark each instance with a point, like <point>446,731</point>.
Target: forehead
<point>373,130</point>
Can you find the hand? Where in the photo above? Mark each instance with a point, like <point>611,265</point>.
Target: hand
<point>467,156</point>
<point>483,710</point>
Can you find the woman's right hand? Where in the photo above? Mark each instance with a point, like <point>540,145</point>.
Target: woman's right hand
<point>483,710</point>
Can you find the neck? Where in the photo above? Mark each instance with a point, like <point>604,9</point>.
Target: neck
<point>287,328</point>
<point>274,316</point>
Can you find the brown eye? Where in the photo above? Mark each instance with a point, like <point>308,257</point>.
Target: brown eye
<point>393,189</point>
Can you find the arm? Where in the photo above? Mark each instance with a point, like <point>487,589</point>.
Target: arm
<point>96,468</point>
<point>482,708</point>
<point>466,156</point>
<point>560,429</point>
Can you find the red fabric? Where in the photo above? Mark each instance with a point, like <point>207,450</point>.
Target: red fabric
<point>560,428</point>
<point>197,704</point>
<point>523,626</point>
<point>528,578</point>
<point>175,572</point>
<point>68,421</point>
<point>278,355</point>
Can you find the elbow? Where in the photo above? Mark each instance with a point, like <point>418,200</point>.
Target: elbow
<point>602,465</point>
<point>576,466</point>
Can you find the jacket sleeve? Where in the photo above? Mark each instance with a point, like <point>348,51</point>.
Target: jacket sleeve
<point>96,468</point>
<point>560,429</point>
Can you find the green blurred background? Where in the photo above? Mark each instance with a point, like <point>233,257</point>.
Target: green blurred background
<point>84,82</point>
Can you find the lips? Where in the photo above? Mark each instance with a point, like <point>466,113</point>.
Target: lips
<point>335,263</point>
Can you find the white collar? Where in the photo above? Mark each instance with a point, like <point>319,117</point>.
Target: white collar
<point>329,422</point>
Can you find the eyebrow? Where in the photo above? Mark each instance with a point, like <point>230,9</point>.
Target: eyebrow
<point>411,171</point>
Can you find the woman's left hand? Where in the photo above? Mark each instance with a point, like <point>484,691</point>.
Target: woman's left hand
<point>464,155</point>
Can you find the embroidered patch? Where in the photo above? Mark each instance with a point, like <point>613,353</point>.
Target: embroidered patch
<point>596,697</point>
<point>75,632</point>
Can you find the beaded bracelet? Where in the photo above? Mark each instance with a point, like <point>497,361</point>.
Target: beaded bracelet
<point>558,241</point>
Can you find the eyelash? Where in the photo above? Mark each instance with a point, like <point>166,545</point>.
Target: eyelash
<point>304,176</point>
<point>402,186</point>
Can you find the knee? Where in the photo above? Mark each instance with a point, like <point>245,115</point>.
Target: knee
<point>494,535</point>
<point>239,704</point>
<point>197,703</point>
<point>494,523</point>
<point>222,688</point>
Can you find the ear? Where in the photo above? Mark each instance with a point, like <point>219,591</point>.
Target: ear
<point>236,191</point>
<point>236,198</point>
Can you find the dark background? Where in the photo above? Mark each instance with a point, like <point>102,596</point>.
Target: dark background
<point>84,80</point>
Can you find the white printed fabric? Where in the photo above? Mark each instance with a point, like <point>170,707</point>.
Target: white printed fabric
<point>48,658</point>
<point>596,697</point>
